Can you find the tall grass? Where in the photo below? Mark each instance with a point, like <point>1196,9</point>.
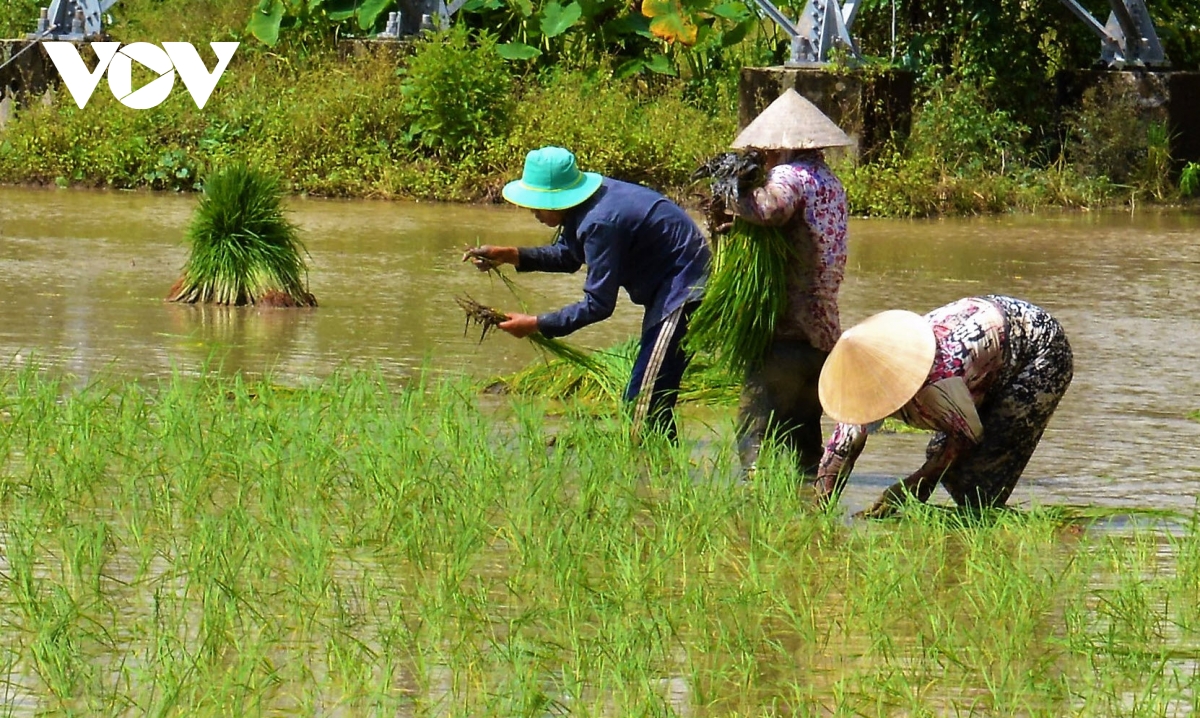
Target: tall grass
<point>243,248</point>
<point>218,546</point>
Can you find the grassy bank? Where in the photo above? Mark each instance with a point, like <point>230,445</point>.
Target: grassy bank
<point>453,125</point>
<point>213,546</point>
<point>452,120</point>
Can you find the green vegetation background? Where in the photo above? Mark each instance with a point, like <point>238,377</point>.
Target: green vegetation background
<point>451,117</point>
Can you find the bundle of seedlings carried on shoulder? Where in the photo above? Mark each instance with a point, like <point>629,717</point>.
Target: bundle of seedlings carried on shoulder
<point>728,172</point>
<point>746,291</point>
<point>244,251</point>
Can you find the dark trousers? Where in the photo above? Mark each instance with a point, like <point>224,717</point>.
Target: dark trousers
<point>780,401</point>
<point>660,416</point>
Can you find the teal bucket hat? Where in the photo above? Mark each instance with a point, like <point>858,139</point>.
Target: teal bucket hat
<point>551,181</point>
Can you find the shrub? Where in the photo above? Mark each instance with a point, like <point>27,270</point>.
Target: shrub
<point>457,95</point>
<point>18,17</point>
<point>618,129</point>
<point>1189,180</point>
<point>957,125</point>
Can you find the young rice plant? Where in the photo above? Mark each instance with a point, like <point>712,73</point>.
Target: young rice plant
<point>244,251</point>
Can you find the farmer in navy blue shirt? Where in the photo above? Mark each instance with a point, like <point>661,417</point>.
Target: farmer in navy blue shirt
<point>629,237</point>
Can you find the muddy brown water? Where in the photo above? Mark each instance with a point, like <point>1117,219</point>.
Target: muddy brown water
<point>82,276</point>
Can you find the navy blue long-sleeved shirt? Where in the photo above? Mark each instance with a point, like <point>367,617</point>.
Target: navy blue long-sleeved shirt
<point>628,236</point>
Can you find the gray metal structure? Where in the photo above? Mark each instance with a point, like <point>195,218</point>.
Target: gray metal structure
<point>822,26</point>
<point>417,16</point>
<point>1128,38</point>
<point>72,19</point>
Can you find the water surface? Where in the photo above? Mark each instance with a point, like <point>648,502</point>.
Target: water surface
<point>82,276</point>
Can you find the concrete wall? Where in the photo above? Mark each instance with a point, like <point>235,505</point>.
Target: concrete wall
<point>1170,98</point>
<point>868,105</point>
<point>31,74</point>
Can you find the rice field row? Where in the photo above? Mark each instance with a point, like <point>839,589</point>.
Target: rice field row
<point>221,546</point>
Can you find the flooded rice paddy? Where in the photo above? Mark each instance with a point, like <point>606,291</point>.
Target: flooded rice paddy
<point>320,546</point>
<point>83,276</point>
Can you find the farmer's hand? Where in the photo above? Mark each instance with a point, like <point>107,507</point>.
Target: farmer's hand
<point>489,257</point>
<point>881,510</point>
<point>520,325</point>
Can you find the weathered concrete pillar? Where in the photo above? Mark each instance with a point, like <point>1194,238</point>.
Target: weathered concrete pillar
<point>869,105</point>
<point>30,75</point>
<point>1169,98</point>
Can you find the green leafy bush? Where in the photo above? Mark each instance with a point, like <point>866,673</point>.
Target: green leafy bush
<point>618,129</point>
<point>957,125</point>
<point>17,18</point>
<point>457,94</point>
<point>1189,180</point>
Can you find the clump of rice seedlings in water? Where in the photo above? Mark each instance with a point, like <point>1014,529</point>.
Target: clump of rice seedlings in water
<point>244,251</point>
<point>745,295</point>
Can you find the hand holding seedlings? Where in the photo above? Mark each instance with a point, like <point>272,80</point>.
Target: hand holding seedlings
<point>518,325</point>
<point>488,257</point>
<point>480,314</point>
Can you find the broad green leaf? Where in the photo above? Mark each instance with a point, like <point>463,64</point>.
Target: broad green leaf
<point>629,68</point>
<point>731,11</point>
<point>668,22</point>
<point>737,34</point>
<point>340,15</point>
<point>525,7</point>
<point>557,18</point>
<point>368,13</point>
<point>264,22</point>
<point>629,25</point>
<point>660,64</point>
<point>517,51</point>
<point>592,8</point>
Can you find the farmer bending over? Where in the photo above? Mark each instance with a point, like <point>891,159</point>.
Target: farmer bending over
<point>985,373</point>
<point>629,237</point>
<point>804,197</point>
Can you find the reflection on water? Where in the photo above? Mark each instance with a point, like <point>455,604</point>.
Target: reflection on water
<point>84,274</point>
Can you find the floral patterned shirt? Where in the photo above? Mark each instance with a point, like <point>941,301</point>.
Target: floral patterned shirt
<point>970,336</point>
<point>806,198</point>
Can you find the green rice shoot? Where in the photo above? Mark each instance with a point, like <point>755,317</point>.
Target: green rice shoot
<point>243,249</point>
<point>745,296</point>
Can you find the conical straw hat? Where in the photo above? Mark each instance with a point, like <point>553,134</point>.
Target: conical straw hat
<point>876,367</point>
<point>791,123</point>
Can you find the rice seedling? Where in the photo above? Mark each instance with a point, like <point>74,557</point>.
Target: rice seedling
<point>744,297</point>
<point>594,367</point>
<point>243,248</point>
<point>226,546</point>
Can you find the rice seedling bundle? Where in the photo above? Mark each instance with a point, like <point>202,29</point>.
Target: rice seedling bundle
<point>745,296</point>
<point>244,251</point>
<point>605,377</point>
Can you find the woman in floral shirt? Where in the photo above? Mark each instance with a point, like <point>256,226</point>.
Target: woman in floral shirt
<point>984,373</point>
<point>804,197</point>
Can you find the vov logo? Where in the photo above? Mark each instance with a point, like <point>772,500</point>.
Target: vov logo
<point>118,61</point>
